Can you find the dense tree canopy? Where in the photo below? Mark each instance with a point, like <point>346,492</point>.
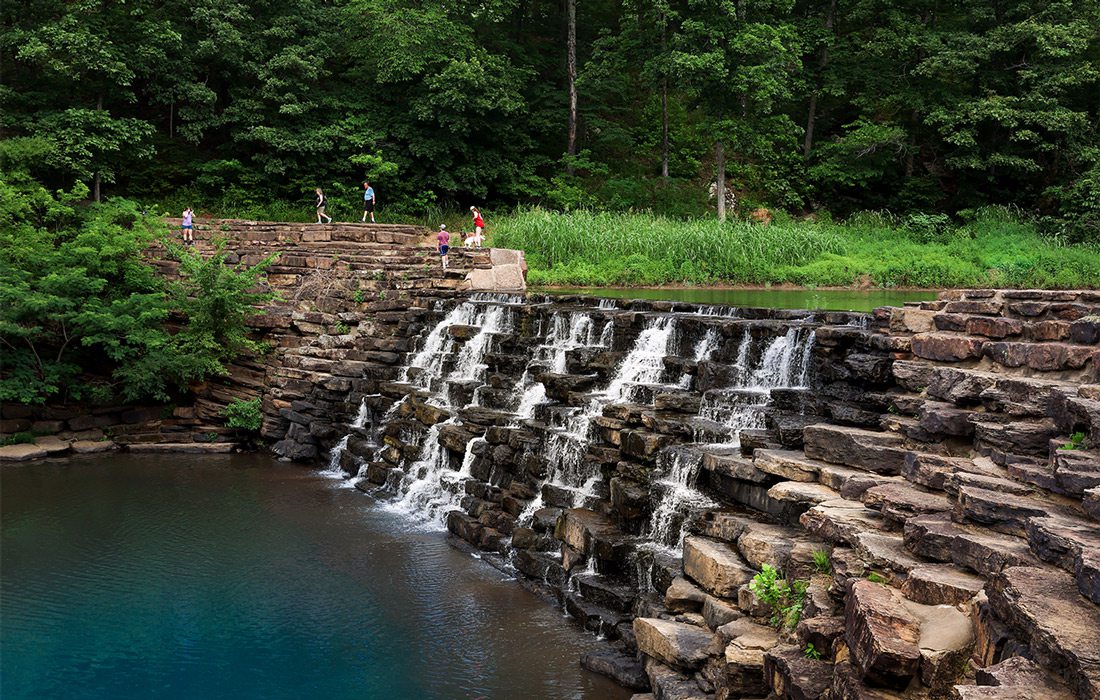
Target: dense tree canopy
<point>804,104</point>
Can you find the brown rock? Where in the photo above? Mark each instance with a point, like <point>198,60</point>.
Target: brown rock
<point>841,520</point>
<point>21,452</point>
<point>1024,677</point>
<point>715,566</point>
<point>1063,631</point>
<point>978,549</point>
<point>941,584</point>
<point>684,596</point>
<point>882,635</point>
<point>677,644</point>
<point>943,347</point>
<point>791,675</point>
<point>883,453</point>
<point>899,502</point>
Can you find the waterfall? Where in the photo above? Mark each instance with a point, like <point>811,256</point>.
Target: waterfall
<point>568,331</point>
<point>430,487</point>
<point>565,446</point>
<point>362,418</point>
<point>784,362</point>
<point>678,496</point>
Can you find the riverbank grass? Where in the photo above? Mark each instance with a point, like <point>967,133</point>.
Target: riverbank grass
<point>596,249</point>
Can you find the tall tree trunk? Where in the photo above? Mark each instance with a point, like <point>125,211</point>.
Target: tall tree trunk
<point>720,179</point>
<point>96,178</point>
<point>822,63</point>
<point>664,129</point>
<point>571,70</point>
<point>808,143</point>
<point>664,104</point>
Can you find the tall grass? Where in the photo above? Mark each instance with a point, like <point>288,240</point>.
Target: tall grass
<point>608,248</point>
<point>994,250</point>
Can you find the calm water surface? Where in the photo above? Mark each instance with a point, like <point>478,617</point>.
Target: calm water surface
<point>825,299</point>
<point>238,577</point>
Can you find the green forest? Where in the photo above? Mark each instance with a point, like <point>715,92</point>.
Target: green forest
<point>801,106</point>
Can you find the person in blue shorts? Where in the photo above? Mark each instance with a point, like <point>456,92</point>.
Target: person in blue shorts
<point>443,243</point>
<point>188,226</point>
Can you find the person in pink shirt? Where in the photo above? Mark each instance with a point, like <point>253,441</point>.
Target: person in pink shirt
<point>188,226</point>
<point>443,243</point>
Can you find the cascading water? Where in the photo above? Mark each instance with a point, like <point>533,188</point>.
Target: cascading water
<point>678,496</point>
<point>430,487</point>
<point>568,331</point>
<point>364,417</point>
<point>565,446</point>
<point>784,362</point>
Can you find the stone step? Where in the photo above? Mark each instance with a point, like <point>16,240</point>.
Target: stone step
<point>900,501</point>
<point>841,521</point>
<point>593,617</point>
<point>981,550</point>
<point>1015,678</point>
<point>1071,543</point>
<point>941,584</point>
<point>1061,630</point>
<point>788,500</point>
<point>882,453</point>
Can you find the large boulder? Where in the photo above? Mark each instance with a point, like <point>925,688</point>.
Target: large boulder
<point>882,635</point>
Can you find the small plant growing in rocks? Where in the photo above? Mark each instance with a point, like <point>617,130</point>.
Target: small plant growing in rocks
<point>341,329</point>
<point>1076,442</point>
<point>876,577</point>
<point>359,296</point>
<point>811,652</point>
<point>822,562</point>
<point>783,597</point>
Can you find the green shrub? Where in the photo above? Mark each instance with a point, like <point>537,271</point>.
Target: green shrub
<point>822,562</point>
<point>21,438</point>
<point>244,415</point>
<point>785,599</point>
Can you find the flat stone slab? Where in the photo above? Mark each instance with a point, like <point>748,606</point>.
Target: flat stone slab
<point>983,551</point>
<point>1018,678</point>
<point>677,644</point>
<point>791,465</point>
<point>764,543</point>
<point>841,520</point>
<point>941,584</point>
<point>92,446</point>
<point>883,453</point>
<point>52,444</point>
<point>1043,606</point>
<point>195,448</point>
<point>715,566</point>
<point>899,502</point>
<point>22,452</point>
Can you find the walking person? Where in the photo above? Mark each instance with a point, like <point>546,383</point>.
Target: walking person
<point>321,202</point>
<point>479,226</point>
<point>369,201</point>
<point>443,243</point>
<point>188,226</point>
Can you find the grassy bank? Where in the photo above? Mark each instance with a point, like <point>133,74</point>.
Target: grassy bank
<point>593,249</point>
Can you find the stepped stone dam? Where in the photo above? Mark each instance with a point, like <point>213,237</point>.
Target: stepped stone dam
<point>745,503</point>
